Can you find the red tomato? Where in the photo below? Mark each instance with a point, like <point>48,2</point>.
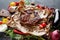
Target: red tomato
<point>17,3</point>
<point>44,24</point>
<point>38,6</point>
<point>40,26</point>
<point>12,4</point>
<point>1,22</point>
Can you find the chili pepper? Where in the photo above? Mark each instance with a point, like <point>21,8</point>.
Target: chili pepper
<point>19,32</point>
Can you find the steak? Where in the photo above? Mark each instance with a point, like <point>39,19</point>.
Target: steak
<point>29,18</point>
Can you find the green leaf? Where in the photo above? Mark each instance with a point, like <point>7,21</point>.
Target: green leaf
<point>27,2</point>
<point>8,31</point>
<point>11,34</point>
<point>18,37</point>
<point>40,38</point>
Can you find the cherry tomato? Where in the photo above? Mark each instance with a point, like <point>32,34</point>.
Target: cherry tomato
<point>38,6</point>
<point>17,3</point>
<point>40,26</point>
<point>1,22</point>
<point>12,4</point>
<point>43,24</point>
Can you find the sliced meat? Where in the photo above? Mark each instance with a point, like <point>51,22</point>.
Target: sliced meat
<point>29,19</point>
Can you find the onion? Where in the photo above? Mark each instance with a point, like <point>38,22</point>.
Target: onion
<point>3,27</point>
<point>55,35</point>
<point>12,8</point>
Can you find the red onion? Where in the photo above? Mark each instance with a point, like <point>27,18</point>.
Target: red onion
<point>55,35</point>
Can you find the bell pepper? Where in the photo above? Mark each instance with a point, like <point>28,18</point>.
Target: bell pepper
<point>4,20</point>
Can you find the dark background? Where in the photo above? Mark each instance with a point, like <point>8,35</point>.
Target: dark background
<point>49,3</point>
